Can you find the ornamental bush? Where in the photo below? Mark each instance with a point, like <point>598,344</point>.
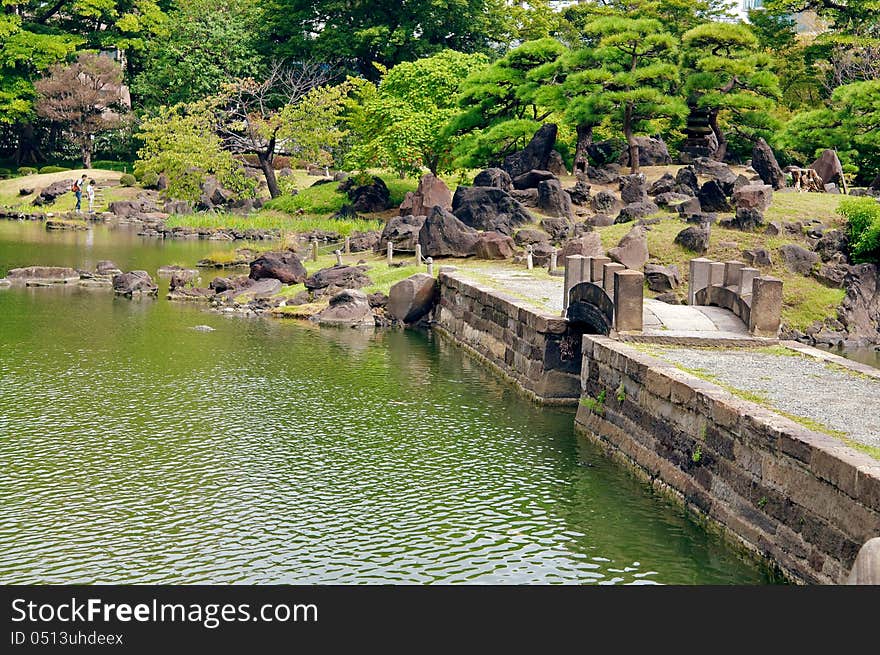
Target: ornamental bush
<point>863,227</point>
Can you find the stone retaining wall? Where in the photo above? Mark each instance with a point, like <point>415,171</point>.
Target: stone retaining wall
<point>537,350</point>
<point>802,499</point>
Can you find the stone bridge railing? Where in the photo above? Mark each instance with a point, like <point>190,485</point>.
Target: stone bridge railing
<point>603,295</point>
<point>755,299</point>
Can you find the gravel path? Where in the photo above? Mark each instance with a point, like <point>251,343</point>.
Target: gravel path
<point>800,385</point>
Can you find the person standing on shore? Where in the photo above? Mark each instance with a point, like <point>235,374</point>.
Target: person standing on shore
<point>90,192</point>
<point>78,192</point>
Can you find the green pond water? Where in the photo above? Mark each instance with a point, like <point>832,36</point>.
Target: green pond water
<point>135,449</point>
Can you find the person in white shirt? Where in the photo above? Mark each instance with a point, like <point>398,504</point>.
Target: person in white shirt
<point>90,190</point>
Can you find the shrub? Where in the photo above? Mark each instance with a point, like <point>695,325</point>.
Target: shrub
<point>127,179</point>
<point>5,173</point>
<point>53,169</point>
<point>863,227</point>
<point>150,179</point>
<point>27,170</point>
<point>112,165</point>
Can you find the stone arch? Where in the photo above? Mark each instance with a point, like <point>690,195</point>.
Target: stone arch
<point>590,310</point>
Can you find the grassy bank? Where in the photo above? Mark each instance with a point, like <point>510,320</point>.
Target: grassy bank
<point>275,220</point>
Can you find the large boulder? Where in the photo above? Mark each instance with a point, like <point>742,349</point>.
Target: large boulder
<point>559,229</point>
<point>489,208</point>
<point>764,162</point>
<point>662,278</point>
<point>107,267</point>
<point>687,176</point>
<point>494,177</point>
<point>690,206</point>
<point>338,277</point>
<point>536,155</point>
<point>260,289</point>
<point>348,308</point>
<point>605,202</point>
<point>494,245</point>
<point>712,197</point>
<point>746,219</point>
<point>757,257</point>
<point>403,232</point>
<point>671,200</point>
<point>694,238</point>
<point>580,193</point>
<point>828,167</point>
<point>367,198</point>
<point>602,175</point>
<point>531,179</point>
<point>753,196</point>
<point>42,275</point>
<point>716,170</point>
<point>860,311</point>
<point>51,193</point>
<point>443,235</point>
<point>553,201</point>
<point>526,197</point>
<point>633,188</point>
<point>632,251</point>
<point>134,283</point>
<point>213,194</point>
<point>665,184</point>
<point>528,236</point>
<point>636,210</point>
<point>364,241</point>
<point>413,298</point>
<point>832,244</point>
<point>556,165</point>
<point>652,152</point>
<point>797,259</point>
<point>284,266</point>
<point>588,245</point>
<point>129,208</point>
<point>432,191</point>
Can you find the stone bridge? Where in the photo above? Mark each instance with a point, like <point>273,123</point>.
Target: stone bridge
<point>725,300</point>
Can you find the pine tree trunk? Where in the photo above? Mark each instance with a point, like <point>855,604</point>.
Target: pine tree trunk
<point>721,151</point>
<point>269,172</point>
<point>87,156</point>
<point>631,140</point>
<point>584,139</point>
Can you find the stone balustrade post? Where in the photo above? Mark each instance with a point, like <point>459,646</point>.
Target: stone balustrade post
<point>430,263</point>
<point>716,274</point>
<point>347,245</point>
<point>530,264</point>
<point>608,272</point>
<point>597,269</point>
<point>390,253</point>
<point>573,276</point>
<point>748,276</point>
<point>628,300</point>
<point>733,275</point>
<point>553,260</point>
<point>418,254</point>
<point>314,250</point>
<point>338,254</point>
<point>766,310</point>
<point>698,278</point>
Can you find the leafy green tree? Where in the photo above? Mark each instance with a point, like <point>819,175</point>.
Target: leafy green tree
<point>499,107</point>
<point>633,78</point>
<point>850,124</point>
<point>181,143</point>
<point>358,34</point>
<point>204,44</point>
<point>729,79</point>
<point>399,122</point>
<point>291,109</point>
